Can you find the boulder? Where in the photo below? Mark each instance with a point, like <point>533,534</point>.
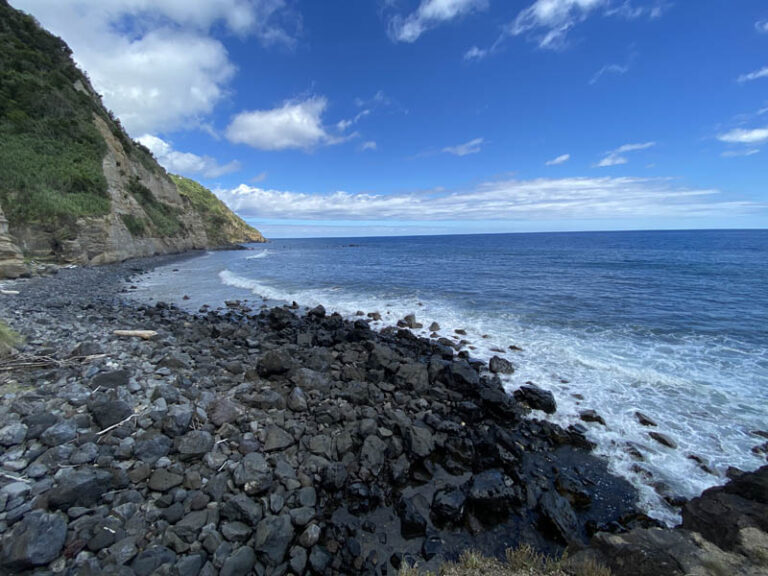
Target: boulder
<point>109,412</point>
<point>34,541</point>
<point>79,487</point>
<point>273,537</point>
<point>536,398</point>
<point>275,362</point>
<point>195,444</point>
<point>448,506</point>
<point>277,439</point>
<point>499,365</point>
<point>253,473</point>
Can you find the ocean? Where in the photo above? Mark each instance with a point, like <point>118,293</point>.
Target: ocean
<point>671,324</point>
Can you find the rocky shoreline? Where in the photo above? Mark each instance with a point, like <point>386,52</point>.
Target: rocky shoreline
<point>283,441</point>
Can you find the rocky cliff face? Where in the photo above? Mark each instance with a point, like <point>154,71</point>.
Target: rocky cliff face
<point>75,188</point>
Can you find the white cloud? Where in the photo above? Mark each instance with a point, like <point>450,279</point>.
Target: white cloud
<point>186,163</point>
<point>549,21</point>
<point>370,145</point>
<point>740,153</point>
<point>295,124</point>
<point>475,53</point>
<point>762,26</point>
<point>559,160</point>
<point>471,147</point>
<point>609,69</point>
<point>742,136</point>
<point>343,125</point>
<point>762,73</point>
<point>156,62</point>
<point>429,14</point>
<point>615,158</point>
<point>540,199</point>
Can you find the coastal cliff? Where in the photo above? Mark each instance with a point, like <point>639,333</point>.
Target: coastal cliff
<point>74,187</point>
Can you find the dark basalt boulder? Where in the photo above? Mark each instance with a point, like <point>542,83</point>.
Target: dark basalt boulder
<point>536,398</point>
<point>34,541</point>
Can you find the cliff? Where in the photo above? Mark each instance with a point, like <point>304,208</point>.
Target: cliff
<point>73,186</point>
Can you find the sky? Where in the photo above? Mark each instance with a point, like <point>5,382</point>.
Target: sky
<point>391,117</point>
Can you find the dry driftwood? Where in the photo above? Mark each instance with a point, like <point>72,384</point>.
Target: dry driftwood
<point>30,361</point>
<point>143,334</point>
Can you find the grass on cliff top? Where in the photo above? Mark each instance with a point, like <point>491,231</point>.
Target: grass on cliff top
<point>523,561</point>
<point>221,225</point>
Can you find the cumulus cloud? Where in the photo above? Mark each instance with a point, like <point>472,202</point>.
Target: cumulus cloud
<point>186,163</point>
<point>156,62</point>
<point>544,199</point>
<point>471,147</point>
<point>429,14</point>
<point>370,145</point>
<point>295,124</point>
<point>616,158</point>
<point>762,73</point>
<point>743,136</point>
<point>559,160</point>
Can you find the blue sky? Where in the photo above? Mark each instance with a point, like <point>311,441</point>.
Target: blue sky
<point>363,117</point>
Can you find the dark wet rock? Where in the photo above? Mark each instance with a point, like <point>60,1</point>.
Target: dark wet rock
<point>448,506</point>
<point>109,412</point>
<point>499,365</point>
<point>275,362</point>
<point>492,493</point>
<point>113,379</point>
<point>317,312</point>
<point>591,416</point>
<point>536,398</point>
<point>412,522</point>
<point>419,440</point>
<point>60,433</point>
<point>163,480</point>
<point>434,327</point>
<point>194,444</point>
<point>720,513</point>
<point>34,541</point>
<point>558,516</point>
<point>432,546</point>
<point>645,420</point>
<point>38,422</point>
<point>297,400</point>
<point>273,537</point>
<point>663,439</point>
<point>151,559</point>
<point>253,474</point>
<point>79,487</point>
<point>151,446</point>
<point>177,421</point>
<point>277,439</point>
<point>240,563</point>
<point>310,536</point>
<point>373,453</point>
<point>319,559</point>
<point>297,559</point>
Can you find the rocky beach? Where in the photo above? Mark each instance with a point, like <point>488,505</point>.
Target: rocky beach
<point>290,441</point>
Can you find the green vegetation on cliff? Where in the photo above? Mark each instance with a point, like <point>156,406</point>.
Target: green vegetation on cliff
<point>50,150</point>
<point>221,224</point>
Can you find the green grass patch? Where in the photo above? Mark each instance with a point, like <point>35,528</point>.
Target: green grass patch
<point>136,225</point>
<point>8,337</point>
<point>165,219</point>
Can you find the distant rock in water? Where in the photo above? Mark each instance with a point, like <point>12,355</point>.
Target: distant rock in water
<point>74,187</point>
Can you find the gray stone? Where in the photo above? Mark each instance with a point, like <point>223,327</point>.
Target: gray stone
<point>235,531</point>
<point>240,563</point>
<point>297,559</point>
<point>273,537</point>
<point>195,444</point>
<point>297,400</point>
<point>64,431</point>
<point>151,559</point>
<point>177,421</point>
<point>319,559</point>
<point>13,434</point>
<point>163,480</point>
<point>536,398</point>
<point>83,487</point>
<point>152,446</point>
<point>373,453</point>
<point>419,440</point>
<point>88,452</point>
<point>253,473</point>
<point>277,439</point>
<point>34,541</point>
<point>109,412</point>
<point>113,379</point>
<point>310,536</point>
<point>499,365</point>
<point>224,411</point>
<point>275,362</point>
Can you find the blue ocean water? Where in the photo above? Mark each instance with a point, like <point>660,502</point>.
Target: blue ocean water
<point>672,324</point>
